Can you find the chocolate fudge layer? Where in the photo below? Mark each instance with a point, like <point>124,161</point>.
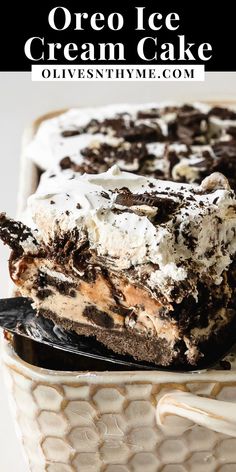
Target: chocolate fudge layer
<point>180,143</point>
<point>144,265</point>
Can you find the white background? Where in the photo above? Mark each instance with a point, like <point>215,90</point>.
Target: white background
<point>21,101</point>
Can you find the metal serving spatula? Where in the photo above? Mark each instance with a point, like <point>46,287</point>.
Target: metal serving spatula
<point>17,316</point>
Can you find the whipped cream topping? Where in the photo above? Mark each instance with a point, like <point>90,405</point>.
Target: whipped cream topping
<point>218,123</point>
<point>167,141</point>
<point>162,230</point>
<point>49,145</point>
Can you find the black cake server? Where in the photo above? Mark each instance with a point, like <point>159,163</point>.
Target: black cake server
<point>17,316</point>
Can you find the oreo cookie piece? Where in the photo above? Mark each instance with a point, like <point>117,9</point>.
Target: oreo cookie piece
<point>223,113</point>
<point>225,160</point>
<point>191,125</point>
<point>131,130</point>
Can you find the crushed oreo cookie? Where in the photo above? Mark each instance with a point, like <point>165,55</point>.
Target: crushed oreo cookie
<point>165,206</point>
<point>14,233</point>
<point>222,113</point>
<point>98,317</point>
<point>133,133</point>
<point>191,125</point>
<point>123,126</point>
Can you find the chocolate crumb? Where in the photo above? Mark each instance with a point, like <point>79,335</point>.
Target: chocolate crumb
<point>44,293</point>
<point>225,365</point>
<point>66,163</point>
<point>98,317</point>
<point>105,195</point>
<point>70,132</point>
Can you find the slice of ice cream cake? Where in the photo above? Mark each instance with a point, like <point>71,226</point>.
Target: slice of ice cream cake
<point>147,266</point>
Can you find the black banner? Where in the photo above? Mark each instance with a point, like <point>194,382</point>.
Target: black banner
<point>133,33</point>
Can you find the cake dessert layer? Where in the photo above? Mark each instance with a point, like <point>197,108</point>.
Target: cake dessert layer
<point>144,265</point>
<point>172,142</point>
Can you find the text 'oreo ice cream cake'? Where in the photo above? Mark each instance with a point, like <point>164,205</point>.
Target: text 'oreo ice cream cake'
<point>146,266</point>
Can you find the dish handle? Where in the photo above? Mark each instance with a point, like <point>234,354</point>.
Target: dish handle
<point>217,415</point>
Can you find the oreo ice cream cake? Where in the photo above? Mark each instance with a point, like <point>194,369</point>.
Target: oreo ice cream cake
<point>144,265</point>
<point>183,143</point>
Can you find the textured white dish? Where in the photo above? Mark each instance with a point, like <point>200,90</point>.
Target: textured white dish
<point>124,421</point>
